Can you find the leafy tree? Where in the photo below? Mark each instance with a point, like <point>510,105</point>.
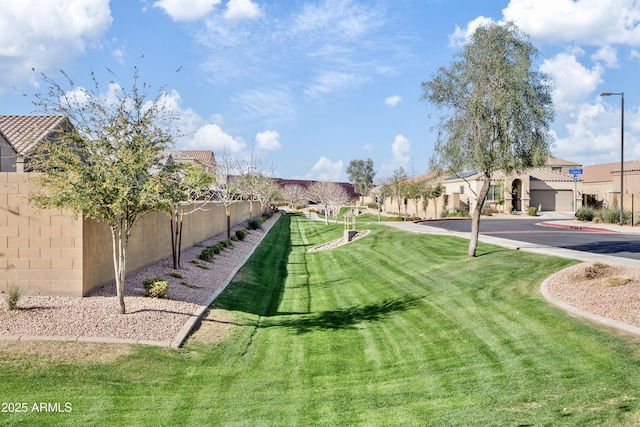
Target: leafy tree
<point>415,190</point>
<point>110,164</point>
<point>497,109</point>
<point>328,194</point>
<point>397,186</point>
<point>434,192</point>
<point>361,174</point>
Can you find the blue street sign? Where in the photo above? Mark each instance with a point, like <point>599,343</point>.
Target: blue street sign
<point>575,171</point>
<point>575,176</point>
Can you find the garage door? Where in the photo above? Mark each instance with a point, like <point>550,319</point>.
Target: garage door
<point>552,200</point>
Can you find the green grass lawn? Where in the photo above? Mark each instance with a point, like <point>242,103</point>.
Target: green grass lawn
<point>392,329</point>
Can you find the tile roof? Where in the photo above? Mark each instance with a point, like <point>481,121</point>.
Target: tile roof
<point>604,172</point>
<point>202,156</point>
<point>25,132</point>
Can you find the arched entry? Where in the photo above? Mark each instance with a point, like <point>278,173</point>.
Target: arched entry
<point>516,195</point>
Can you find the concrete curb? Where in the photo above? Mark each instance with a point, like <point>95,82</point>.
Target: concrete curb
<point>176,342</point>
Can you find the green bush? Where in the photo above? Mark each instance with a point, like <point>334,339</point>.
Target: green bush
<point>532,211</point>
<point>241,234</point>
<point>254,224</point>
<point>611,215</point>
<point>226,243</point>
<point>156,287</point>
<point>586,213</point>
<point>207,253</point>
<point>13,296</point>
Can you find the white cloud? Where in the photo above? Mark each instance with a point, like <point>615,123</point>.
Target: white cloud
<point>461,35</point>
<point>242,9</point>
<point>608,55</point>
<point>595,22</point>
<point>45,35</point>
<point>268,140</point>
<point>573,81</point>
<point>186,10</point>
<point>325,170</point>
<point>334,81</point>
<point>212,137</point>
<point>369,147</point>
<point>400,149</point>
<point>400,156</point>
<point>274,104</point>
<point>393,101</point>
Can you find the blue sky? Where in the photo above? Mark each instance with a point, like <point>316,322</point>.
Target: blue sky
<point>307,86</point>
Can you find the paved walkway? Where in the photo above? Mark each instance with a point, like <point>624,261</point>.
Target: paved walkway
<point>555,219</point>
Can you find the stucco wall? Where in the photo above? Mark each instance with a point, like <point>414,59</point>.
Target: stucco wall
<point>48,252</point>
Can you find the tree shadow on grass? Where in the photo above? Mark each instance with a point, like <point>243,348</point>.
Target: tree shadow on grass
<point>346,318</point>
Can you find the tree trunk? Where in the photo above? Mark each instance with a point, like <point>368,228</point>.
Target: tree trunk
<point>326,214</point>
<point>119,242</point>
<point>475,219</point>
<point>228,211</point>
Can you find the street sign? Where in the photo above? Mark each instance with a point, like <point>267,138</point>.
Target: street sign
<point>575,176</point>
<point>575,171</point>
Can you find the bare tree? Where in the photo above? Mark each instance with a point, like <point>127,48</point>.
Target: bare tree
<point>328,194</point>
<point>292,194</point>
<point>227,188</point>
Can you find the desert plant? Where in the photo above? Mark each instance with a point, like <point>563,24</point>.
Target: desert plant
<point>156,287</point>
<point>532,211</point>
<point>13,297</point>
<point>207,254</point>
<point>611,215</point>
<point>595,270</point>
<point>613,281</point>
<point>190,285</point>
<point>241,234</point>
<point>175,274</point>
<point>586,213</point>
<point>254,224</point>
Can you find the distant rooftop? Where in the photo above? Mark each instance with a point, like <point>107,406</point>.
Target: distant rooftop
<point>23,133</point>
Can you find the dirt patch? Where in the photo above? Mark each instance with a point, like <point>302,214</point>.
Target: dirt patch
<point>72,353</point>
<point>214,327</point>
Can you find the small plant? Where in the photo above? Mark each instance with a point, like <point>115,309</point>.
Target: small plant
<point>611,215</point>
<point>586,213</point>
<point>532,211</point>
<point>190,285</point>
<point>156,287</point>
<point>234,238</point>
<point>241,234</point>
<point>613,281</point>
<point>175,274</point>
<point>226,243</point>
<point>199,264</point>
<point>595,270</point>
<point>13,296</point>
<point>254,224</point>
<point>207,254</point>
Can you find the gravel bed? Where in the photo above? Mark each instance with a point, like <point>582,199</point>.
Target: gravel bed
<point>621,303</point>
<point>96,315</point>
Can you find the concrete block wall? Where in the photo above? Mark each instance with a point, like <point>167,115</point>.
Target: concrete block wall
<point>40,249</point>
<point>48,252</point>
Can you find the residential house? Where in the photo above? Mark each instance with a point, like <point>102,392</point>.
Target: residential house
<point>601,184</point>
<point>19,135</point>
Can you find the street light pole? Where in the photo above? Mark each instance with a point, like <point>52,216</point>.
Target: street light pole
<point>621,150</point>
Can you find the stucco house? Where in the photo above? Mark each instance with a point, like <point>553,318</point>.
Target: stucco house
<point>547,188</point>
<point>19,135</point>
<point>601,184</point>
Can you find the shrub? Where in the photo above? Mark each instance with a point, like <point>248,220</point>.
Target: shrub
<point>13,296</point>
<point>611,215</point>
<point>254,224</point>
<point>207,254</point>
<point>175,274</point>
<point>241,234</point>
<point>156,287</point>
<point>586,213</point>
<point>595,270</point>
<point>217,248</point>
<point>226,243</point>
<point>532,211</point>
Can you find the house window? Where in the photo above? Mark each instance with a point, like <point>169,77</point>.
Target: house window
<point>462,189</point>
<point>556,169</point>
<point>494,193</point>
